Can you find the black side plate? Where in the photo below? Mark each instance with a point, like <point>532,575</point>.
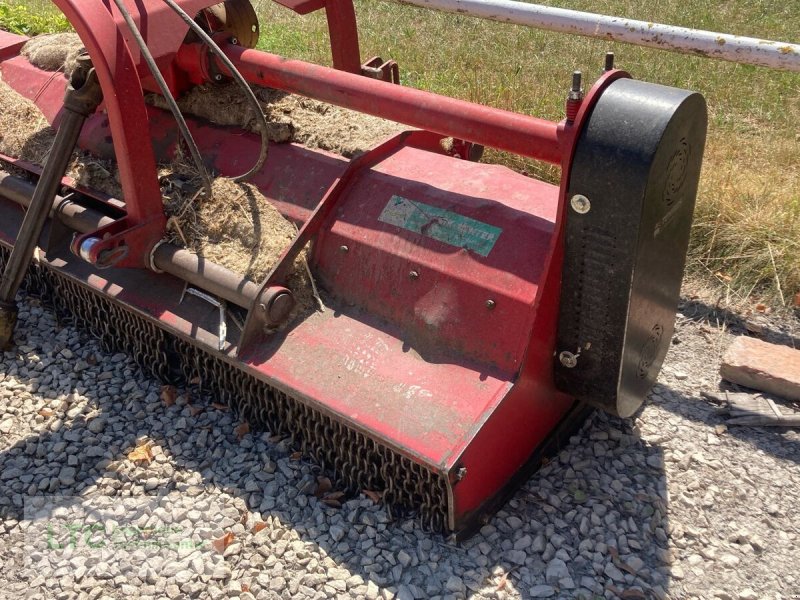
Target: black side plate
<point>631,197</point>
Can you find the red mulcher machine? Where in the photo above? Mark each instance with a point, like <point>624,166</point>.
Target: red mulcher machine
<point>477,314</point>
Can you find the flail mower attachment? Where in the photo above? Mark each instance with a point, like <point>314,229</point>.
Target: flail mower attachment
<point>474,314</point>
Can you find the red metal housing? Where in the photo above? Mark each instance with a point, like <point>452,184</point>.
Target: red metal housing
<point>441,338</point>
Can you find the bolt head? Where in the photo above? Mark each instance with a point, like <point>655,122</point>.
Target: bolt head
<point>568,359</point>
<point>490,304</point>
<point>414,275</point>
<point>343,249</point>
<point>580,204</point>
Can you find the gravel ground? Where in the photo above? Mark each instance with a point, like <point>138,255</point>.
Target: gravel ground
<point>670,504</point>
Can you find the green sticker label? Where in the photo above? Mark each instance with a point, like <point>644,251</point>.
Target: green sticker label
<point>442,225</point>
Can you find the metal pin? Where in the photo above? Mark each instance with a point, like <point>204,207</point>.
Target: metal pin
<point>609,66</point>
<point>577,80</point>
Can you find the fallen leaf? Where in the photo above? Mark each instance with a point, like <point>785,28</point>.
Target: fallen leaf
<point>324,486</point>
<point>219,406</point>
<point>374,496</point>
<point>220,544</point>
<point>296,455</point>
<point>242,430</point>
<point>260,526</point>
<point>46,412</point>
<point>274,439</point>
<point>168,394</point>
<point>143,453</point>
<point>724,277</point>
<point>797,300</point>
<point>195,410</point>
<point>195,380</point>
<point>633,594</point>
<point>761,307</point>
<point>334,499</point>
<point>501,585</point>
<point>245,588</point>
<point>91,360</point>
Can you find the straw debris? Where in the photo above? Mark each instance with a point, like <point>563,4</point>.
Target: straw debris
<point>237,227</point>
<point>54,52</point>
<point>291,118</point>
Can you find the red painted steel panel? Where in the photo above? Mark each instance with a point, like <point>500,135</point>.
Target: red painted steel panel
<point>445,304</point>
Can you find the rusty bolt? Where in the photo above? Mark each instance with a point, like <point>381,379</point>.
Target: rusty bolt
<point>414,275</point>
<point>490,304</point>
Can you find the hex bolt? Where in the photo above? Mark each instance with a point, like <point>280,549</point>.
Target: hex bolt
<point>568,359</point>
<point>575,97</point>
<point>461,473</point>
<point>577,79</point>
<point>580,204</point>
<point>490,304</point>
<point>414,275</point>
<point>343,248</point>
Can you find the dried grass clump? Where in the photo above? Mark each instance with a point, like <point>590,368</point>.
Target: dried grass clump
<point>237,227</point>
<point>26,134</point>
<point>54,52</point>
<point>291,118</point>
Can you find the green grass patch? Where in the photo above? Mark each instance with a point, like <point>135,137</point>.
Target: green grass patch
<point>31,20</point>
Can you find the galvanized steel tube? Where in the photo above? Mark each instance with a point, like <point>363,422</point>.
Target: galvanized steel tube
<point>723,46</point>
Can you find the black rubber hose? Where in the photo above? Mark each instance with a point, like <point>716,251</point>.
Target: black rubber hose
<point>173,106</point>
<point>251,97</point>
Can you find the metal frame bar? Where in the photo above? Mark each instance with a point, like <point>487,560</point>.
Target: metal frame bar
<point>734,48</point>
<point>521,134</point>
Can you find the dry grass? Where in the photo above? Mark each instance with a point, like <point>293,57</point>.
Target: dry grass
<point>748,214</point>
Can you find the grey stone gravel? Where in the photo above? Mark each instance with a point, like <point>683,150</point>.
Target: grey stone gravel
<point>665,505</point>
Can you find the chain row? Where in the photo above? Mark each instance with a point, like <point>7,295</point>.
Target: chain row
<point>355,460</point>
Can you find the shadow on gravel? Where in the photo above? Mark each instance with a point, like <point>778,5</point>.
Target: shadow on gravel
<point>695,310</point>
<point>592,522</point>
<point>771,440</point>
<point>768,439</point>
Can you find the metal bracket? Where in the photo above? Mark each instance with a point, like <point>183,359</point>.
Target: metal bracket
<point>222,332</point>
<point>377,68</point>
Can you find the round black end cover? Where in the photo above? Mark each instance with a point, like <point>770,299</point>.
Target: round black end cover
<point>637,162</point>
